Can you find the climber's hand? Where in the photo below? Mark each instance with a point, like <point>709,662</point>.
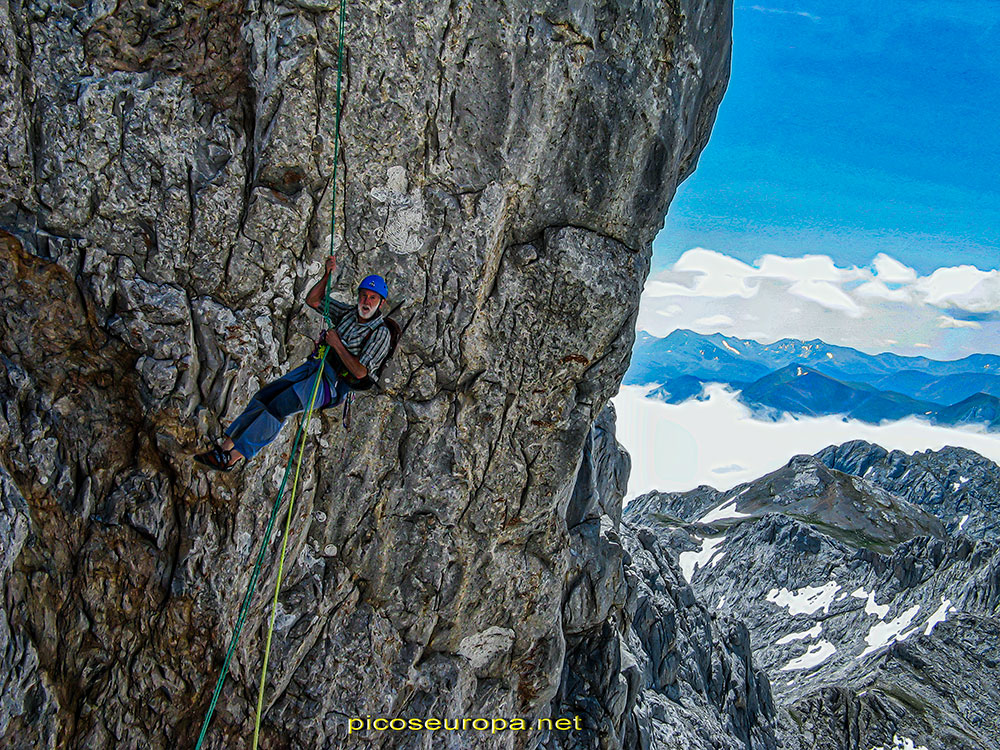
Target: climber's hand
<point>331,264</point>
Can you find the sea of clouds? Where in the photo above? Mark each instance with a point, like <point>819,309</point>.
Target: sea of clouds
<point>719,443</point>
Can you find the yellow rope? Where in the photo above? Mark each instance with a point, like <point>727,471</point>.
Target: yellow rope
<point>248,596</point>
<point>284,547</point>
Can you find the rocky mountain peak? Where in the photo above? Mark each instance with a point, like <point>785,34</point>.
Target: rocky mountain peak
<point>957,485</point>
<point>870,614</point>
<point>807,489</point>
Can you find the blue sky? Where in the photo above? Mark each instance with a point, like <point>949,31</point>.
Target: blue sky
<point>851,129</point>
<point>868,135</point>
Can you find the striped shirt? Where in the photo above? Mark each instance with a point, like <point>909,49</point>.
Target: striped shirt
<point>353,331</point>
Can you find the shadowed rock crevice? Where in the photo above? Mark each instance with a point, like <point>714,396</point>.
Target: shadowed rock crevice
<point>202,42</point>
<point>647,665</point>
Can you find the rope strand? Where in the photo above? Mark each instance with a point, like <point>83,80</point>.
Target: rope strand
<point>281,559</point>
<point>248,597</point>
<point>336,152</point>
<point>297,445</point>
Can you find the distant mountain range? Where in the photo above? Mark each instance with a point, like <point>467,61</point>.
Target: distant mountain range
<point>815,378</point>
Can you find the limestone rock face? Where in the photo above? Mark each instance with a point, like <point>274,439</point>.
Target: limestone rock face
<point>166,180</point>
<point>957,485</point>
<point>647,665</point>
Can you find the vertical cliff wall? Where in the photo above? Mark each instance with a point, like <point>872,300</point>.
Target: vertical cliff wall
<point>647,664</point>
<point>165,181</point>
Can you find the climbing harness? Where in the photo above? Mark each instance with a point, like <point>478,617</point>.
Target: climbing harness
<point>297,448</point>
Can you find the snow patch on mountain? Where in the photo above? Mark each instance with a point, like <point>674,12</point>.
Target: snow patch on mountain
<point>871,607</point>
<point>691,561</point>
<point>940,615</point>
<point>884,633</point>
<point>806,600</point>
<point>813,632</point>
<point>724,512</point>
<point>818,653</point>
<point>900,743</point>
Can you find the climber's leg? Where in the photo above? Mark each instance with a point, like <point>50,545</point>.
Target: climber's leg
<point>265,426</point>
<point>263,419</point>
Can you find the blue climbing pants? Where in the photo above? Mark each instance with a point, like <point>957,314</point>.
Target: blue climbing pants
<point>265,415</point>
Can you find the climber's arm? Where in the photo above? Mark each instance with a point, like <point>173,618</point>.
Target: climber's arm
<point>315,297</point>
<point>353,364</point>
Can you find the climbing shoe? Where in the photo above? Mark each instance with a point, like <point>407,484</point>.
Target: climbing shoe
<point>218,459</point>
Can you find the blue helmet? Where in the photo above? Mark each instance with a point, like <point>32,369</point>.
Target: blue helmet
<point>375,284</point>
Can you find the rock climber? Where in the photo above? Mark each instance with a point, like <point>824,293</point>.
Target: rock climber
<point>358,344</point>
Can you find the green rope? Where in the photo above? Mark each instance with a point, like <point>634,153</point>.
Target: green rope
<point>281,560</point>
<point>336,153</point>
<point>247,598</point>
<point>297,445</point>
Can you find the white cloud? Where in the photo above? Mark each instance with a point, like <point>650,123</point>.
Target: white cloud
<point>826,294</point>
<point>710,274</point>
<point>946,322</point>
<point>677,448</point>
<point>728,468</point>
<point>879,290</point>
<point>885,304</point>
<point>806,268</point>
<point>715,321</point>
<point>891,271</point>
<point>964,287</point>
<point>670,311</point>
<point>783,12</point>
